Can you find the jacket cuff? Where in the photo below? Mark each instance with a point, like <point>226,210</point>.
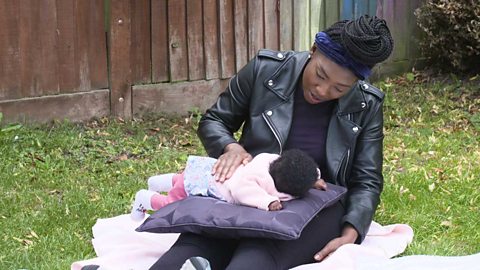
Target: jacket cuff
<point>353,218</point>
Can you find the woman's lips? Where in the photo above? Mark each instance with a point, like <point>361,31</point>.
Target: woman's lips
<point>314,98</point>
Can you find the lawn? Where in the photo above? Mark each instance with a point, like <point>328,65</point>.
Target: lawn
<point>58,179</point>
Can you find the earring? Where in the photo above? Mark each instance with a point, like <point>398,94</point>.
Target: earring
<point>309,55</point>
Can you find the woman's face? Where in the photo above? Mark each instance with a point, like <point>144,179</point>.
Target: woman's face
<point>325,80</point>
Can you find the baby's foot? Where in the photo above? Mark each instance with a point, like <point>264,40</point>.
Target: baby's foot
<point>141,204</point>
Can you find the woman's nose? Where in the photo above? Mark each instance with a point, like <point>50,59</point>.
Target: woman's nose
<point>322,90</point>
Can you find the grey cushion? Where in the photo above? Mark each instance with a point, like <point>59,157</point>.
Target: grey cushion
<point>209,216</point>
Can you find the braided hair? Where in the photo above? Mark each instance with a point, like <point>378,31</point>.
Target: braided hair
<point>366,39</point>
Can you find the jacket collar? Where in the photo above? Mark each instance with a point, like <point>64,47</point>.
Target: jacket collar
<point>353,101</point>
<point>283,81</point>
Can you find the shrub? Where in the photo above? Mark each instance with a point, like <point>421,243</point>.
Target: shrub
<point>452,34</point>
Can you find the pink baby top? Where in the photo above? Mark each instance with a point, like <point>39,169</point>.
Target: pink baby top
<point>252,184</point>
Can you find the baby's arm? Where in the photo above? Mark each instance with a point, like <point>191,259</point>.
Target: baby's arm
<point>248,192</point>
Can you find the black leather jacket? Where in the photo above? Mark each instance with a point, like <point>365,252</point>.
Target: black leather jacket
<point>261,96</point>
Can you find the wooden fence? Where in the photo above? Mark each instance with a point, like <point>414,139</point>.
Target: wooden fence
<point>79,59</point>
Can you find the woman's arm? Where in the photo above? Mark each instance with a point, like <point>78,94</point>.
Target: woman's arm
<point>223,119</point>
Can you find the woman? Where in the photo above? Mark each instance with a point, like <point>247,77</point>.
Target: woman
<point>316,101</point>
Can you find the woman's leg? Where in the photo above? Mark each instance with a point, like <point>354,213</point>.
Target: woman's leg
<point>216,250</point>
<point>268,254</point>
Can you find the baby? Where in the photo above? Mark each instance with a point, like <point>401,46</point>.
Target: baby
<point>262,183</point>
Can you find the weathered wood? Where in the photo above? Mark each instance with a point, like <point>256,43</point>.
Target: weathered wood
<point>316,19</point>
<point>141,42</point>
<point>170,98</point>
<point>255,27</point>
<point>211,39</point>
<point>401,30</point>
<point>177,39</point>
<point>241,38</point>
<point>74,107</point>
<point>286,25</point>
<point>227,46</point>
<point>120,58</point>
<point>332,13</point>
<point>46,26</point>
<point>97,48</point>
<point>160,68</point>
<point>66,30</point>
<point>301,25</point>
<point>82,52</point>
<point>10,85</point>
<point>272,13</point>
<point>360,7</point>
<point>196,64</point>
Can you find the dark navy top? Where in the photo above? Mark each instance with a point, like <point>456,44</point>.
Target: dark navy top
<point>309,127</point>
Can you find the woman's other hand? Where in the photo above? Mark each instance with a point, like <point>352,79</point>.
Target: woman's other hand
<point>349,235</point>
<point>233,156</point>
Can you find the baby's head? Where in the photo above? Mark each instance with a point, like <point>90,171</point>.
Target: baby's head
<point>294,172</point>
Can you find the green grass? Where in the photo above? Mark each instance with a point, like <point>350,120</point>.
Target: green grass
<point>57,179</point>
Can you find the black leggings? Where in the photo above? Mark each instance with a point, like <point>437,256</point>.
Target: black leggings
<point>256,253</point>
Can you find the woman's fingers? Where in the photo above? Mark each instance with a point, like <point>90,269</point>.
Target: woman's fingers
<point>229,161</point>
<point>328,249</point>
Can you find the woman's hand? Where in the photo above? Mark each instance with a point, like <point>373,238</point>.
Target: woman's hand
<point>233,156</point>
<point>349,235</point>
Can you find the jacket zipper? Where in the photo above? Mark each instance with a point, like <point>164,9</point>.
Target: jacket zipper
<point>344,175</point>
<point>273,131</point>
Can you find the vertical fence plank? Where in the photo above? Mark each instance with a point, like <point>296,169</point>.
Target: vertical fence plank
<point>196,65</point>
<point>28,62</point>
<point>227,59</point>
<point>316,9</point>
<point>301,25</point>
<point>97,47</point>
<point>372,7</point>
<point>255,27</point>
<point>360,8</point>
<point>9,52</point>
<point>39,74</point>
<point>160,69</point>
<point>120,59</point>
<point>347,9</point>
<point>241,39</point>
<point>47,24</point>
<point>286,25</point>
<point>141,42</point>
<point>211,39</point>
<point>68,75</point>
<point>177,39</point>
<point>271,24</point>
<point>82,52</point>
<point>332,12</point>
<point>402,33</point>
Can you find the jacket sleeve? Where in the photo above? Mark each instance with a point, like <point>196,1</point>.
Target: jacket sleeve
<point>366,180</point>
<point>247,191</point>
<point>218,125</point>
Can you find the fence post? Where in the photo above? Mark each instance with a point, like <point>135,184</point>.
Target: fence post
<point>120,72</point>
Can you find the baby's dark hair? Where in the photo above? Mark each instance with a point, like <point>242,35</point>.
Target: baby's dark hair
<point>366,39</point>
<point>294,172</point>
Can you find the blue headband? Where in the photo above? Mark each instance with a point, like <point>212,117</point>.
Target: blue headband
<point>339,55</point>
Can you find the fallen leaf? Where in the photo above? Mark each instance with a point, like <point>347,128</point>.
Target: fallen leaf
<point>446,223</point>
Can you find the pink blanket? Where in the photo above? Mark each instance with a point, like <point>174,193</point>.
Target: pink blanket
<point>119,246</point>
